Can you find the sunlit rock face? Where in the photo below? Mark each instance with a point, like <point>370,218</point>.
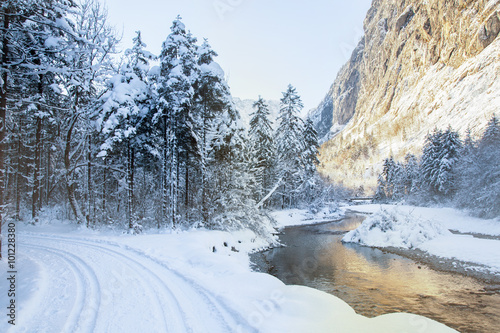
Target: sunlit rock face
<point>420,65</point>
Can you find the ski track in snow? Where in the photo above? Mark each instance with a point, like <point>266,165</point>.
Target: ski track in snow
<point>103,276</point>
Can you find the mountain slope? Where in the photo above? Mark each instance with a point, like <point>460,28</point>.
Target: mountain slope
<point>419,66</point>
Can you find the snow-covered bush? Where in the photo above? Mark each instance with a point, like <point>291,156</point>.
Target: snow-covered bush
<point>260,223</point>
<point>394,228</point>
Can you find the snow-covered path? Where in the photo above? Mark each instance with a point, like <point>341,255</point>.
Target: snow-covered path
<point>98,286</point>
<point>71,279</point>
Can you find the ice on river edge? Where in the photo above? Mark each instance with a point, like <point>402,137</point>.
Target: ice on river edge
<point>198,280</point>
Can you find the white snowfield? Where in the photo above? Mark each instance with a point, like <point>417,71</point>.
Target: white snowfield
<point>77,280</point>
<point>429,229</point>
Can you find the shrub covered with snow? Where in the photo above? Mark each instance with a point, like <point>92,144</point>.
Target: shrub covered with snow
<point>394,228</point>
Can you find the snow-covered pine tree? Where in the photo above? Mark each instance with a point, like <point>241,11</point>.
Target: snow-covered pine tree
<point>260,135</point>
<point>488,180</point>
<point>491,136</point>
<point>212,100</point>
<point>440,155</point>
<point>479,174</point>
<point>397,180</point>
<point>380,191</point>
<point>451,147</point>
<point>311,149</point>
<point>429,164</point>
<point>179,73</point>
<point>411,175</point>
<point>125,107</point>
<point>388,177</point>
<point>233,205</point>
<point>469,143</point>
<point>226,147</point>
<point>290,145</point>
<point>311,179</point>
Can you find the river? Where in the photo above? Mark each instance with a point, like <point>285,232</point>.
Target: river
<point>376,282</point>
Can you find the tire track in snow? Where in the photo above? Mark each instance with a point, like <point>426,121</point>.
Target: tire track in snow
<point>236,319</point>
<point>83,314</point>
<point>145,285</point>
<point>230,319</point>
<point>192,320</point>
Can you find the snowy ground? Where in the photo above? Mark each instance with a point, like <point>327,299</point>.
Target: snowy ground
<point>293,217</point>
<point>473,240</point>
<point>76,280</point>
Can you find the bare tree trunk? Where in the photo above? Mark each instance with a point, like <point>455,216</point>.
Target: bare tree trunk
<point>165,172</point>
<point>89,217</point>
<point>70,186</point>
<point>18,177</point>
<point>175,181</point>
<point>204,203</point>
<point>130,185</point>
<point>186,195</point>
<point>104,179</point>
<point>35,204</point>
<point>3,111</point>
<point>47,176</point>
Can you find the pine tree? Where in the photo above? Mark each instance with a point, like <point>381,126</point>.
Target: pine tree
<point>380,195</point>
<point>311,149</point>
<point>440,155</point>
<point>290,145</point>
<point>469,143</point>
<point>450,149</point>
<point>212,101</point>
<point>478,174</point>
<point>388,178</point>
<point>262,147</point>
<point>411,175</point>
<point>179,72</point>
<point>126,106</point>
<point>491,136</point>
<point>487,193</point>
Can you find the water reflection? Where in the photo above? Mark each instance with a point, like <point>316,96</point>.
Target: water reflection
<point>374,282</point>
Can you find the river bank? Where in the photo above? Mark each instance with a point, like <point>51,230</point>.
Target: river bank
<point>468,245</point>
<point>375,281</point>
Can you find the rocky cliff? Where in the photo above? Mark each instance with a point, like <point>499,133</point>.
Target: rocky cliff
<point>420,65</point>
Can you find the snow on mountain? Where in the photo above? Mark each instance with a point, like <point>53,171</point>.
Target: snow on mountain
<point>420,65</point>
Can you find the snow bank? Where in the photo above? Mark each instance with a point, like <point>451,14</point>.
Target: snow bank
<point>293,217</point>
<point>467,249</point>
<point>290,217</point>
<point>451,218</point>
<point>428,230</point>
<point>390,227</point>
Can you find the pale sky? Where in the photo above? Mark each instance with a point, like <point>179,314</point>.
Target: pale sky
<point>263,45</point>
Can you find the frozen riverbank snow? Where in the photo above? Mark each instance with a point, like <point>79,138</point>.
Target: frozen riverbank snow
<point>393,228</point>
<point>194,281</point>
<point>294,217</point>
<point>451,218</point>
<point>427,229</point>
